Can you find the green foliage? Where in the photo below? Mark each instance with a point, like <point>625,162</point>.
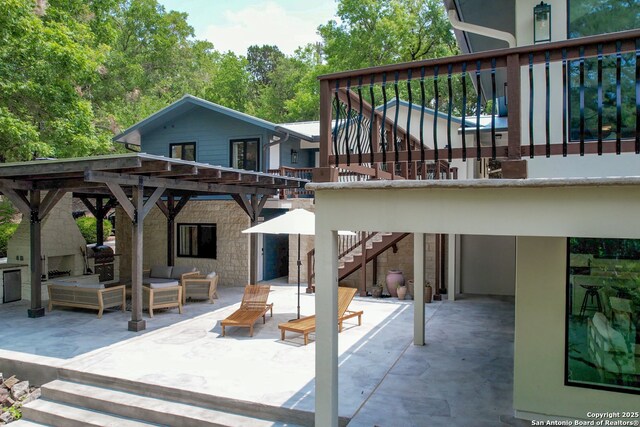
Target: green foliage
<point>73,73</point>
<point>606,248</point>
<point>6,231</point>
<point>87,226</point>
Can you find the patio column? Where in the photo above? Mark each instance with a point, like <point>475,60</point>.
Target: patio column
<point>453,265</point>
<point>137,210</point>
<point>326,327</point>
<point>418,288</point>
<point>36,310</point>
<point>137,323</point>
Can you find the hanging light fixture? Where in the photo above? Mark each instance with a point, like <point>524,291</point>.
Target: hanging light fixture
<point>542,23</point>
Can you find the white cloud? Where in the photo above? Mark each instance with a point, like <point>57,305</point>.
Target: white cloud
<point>266,22</point>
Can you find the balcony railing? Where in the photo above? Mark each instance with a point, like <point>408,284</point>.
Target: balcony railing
<point>579,96</point>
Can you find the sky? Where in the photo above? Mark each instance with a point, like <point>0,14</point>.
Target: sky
<point>237,24</point>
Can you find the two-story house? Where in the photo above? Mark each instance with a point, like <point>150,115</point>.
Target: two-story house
<point>208,229</point>
<point>552,105</point>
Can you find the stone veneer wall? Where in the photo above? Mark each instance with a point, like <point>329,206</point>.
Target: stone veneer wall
<point>232,261</point>
<point>401,260</point>
<point>306,244</point>
<point>60,237</point>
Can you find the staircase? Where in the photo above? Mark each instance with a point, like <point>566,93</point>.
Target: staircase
<point>94,400</point>
<point>375,244</point>
<point>350,258</point>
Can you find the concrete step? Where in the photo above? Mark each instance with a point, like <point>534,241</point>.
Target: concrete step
<point>148,409</point>
<point>58,414</point>
<point>26,423</point>
<point>276,414</point>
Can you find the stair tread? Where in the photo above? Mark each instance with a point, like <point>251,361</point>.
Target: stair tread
<point>26,423</point>
<point>118,397</point>
<point>86,416</point>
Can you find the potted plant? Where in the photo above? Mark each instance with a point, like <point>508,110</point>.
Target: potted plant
<point>401,291</point>
<point>376,291</point>
<point>428,292</point>
<point>394,279</point>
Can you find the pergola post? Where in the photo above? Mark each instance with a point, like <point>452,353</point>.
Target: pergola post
<point>253,207</point>
<point>137,227</point>
<point>171,211</point>
<point>418,289</point>
<point>36,310</point>
<point>137,210</point>
<point>99,211</point>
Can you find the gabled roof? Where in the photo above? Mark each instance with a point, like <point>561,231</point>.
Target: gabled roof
<point>188,102</point>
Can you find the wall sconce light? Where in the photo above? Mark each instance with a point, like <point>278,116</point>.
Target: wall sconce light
<point>542,23</point>
<point>294,157</point>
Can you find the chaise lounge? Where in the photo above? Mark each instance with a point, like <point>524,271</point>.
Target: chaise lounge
<point>307,325</point>
<point>254,306</point>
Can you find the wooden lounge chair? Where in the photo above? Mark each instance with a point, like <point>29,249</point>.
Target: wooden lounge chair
<point>307,325</point>
<point>254,305</point>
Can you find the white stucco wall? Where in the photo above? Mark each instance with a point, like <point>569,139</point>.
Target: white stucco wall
<point>540,339</point>
<point>487,265</point>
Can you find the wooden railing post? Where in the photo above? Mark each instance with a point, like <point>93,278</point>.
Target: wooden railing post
<point>325,173</point>
<point>514,167</point>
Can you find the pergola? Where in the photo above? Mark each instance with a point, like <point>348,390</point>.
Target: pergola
<point>136,182</point>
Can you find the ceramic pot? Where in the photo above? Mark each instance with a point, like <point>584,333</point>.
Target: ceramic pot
<point>410,289</point>
<point>394,279</point>
<point>402,292</point>
<point>428,294</point>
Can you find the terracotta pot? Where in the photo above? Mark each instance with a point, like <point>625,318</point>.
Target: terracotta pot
<point>394,279</point>
<point>402,292</point>
<point>428,294</point>
<point>410,289</point>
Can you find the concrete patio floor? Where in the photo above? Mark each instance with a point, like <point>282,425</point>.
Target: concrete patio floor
<point>463,376</point>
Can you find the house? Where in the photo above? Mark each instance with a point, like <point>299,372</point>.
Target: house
<point>558,233</point>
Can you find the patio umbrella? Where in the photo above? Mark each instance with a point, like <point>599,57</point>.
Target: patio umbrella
<point>297,221</point>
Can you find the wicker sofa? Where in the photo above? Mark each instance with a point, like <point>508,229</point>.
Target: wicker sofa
<point>82,294</point>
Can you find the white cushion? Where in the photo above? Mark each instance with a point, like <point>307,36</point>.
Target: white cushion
<point>211,275</point>
<point>162,283</point>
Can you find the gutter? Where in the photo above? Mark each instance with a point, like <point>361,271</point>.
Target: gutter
<point>477,29</point>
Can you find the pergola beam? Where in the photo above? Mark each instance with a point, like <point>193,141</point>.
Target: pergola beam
<point>61,166</point>
<point>173,184</point>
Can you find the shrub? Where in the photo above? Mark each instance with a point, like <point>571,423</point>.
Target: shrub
<point>87,226</point>
<point>6,231</point>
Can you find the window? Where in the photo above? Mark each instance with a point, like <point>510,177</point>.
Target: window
<point>197,240</point>
<point>245,154</point>
<point>592,17</point>
<point>603,314</point>
<point>183,151</point>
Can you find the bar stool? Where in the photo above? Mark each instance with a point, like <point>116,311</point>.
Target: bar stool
<point>589,295</point>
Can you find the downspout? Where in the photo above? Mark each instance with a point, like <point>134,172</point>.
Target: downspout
<point>477,29</point>
<point>271,144</point>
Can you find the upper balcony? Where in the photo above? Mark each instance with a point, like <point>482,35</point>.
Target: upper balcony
<point>574,97</point>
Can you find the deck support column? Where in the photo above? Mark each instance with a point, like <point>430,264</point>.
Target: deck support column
<point>326,327</point>
<point>252,205</point>
<point>418,288</point>
<point>453,264</point>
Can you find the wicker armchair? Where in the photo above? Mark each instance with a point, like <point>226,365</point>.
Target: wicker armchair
<point>200,287</point>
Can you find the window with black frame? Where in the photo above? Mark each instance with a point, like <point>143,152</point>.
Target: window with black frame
<point>197,240</point>
<point>183,151</point>
<point>603,314</point>
<point>592,17</point>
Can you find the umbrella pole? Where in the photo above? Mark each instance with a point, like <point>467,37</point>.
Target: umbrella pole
<point>299,263</point>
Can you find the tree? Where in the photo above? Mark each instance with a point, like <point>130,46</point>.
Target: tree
<point>262,61</point>
<point>229,85</point>
<point>47,62</point>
